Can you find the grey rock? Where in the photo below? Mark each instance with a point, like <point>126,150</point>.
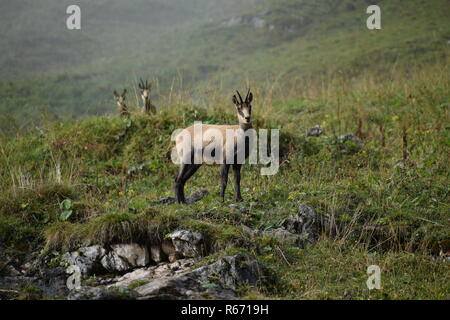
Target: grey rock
<point>300,229</point>
<point>51,282</point>
<point>102,293</point>
<point>138,274</point>
<point>169,250</point>
<point>229,273</point>
<point>307,223</point>
<point>218,280</point>
<point>157,254</point>
<point>112,262</point>
<point>154,272</point>
<point>285,236</point>
<point>197,196</point>
<point>188,243</point>
<point>280,234</point>
<point>315,131</point>
<point>125,257</point>
<point>87,259</point>
<point>167,200</point>
<point>238,208</point>
<point>350,143</point>
<point>134,254</point>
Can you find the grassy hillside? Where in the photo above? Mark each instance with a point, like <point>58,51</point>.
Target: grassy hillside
<point>388,200</point>
<point>277,42</point>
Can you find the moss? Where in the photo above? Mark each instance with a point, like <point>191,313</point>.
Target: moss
<point>137,283</point>
<point>30,292</point>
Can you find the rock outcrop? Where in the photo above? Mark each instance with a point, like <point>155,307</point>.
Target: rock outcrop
<point>300,229</point>
<point>126,257</point>
<point>218,280</point>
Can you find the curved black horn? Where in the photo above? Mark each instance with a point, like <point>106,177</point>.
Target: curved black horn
<point>240,96</point>
<point>246,97</point>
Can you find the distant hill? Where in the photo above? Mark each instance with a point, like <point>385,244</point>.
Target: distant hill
<point>70,73</point>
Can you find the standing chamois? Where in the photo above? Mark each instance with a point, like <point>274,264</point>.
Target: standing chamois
<point>146,99</point>
<point>187,165</point>
<point>120,100</point>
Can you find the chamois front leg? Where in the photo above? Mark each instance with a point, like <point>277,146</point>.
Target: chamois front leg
<point>237,181</point>
<point>224,176</point>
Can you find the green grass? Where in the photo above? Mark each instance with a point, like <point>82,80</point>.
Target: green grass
<point>389,200</point>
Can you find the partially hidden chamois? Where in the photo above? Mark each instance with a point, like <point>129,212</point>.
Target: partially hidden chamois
<point>146,99</point>
<point>188,167</point>
<point>120,100</point>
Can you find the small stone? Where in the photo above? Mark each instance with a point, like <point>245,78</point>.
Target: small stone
<point>350,143</point>
<point>239,208</point>
<point>307,223</point>
<point>315,131</point>
<point>196,196</point>
<point>167,200</point>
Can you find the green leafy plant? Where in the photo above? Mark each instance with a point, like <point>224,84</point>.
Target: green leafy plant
<point>66,207</point>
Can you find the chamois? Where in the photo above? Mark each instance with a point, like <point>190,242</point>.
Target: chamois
<point>145,95</point>
<point>120,100</point>
<point>188,167</point>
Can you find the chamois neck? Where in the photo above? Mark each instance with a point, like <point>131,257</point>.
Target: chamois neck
<point>245,126</point>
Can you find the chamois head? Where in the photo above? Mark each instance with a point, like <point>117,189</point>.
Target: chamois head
<point>145,95</point>
<point>244,107</point>
<point>120,100</point>
<point>145,89</point>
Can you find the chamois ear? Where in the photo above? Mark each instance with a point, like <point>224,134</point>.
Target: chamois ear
<point>235,100</point>
<point>124,92</point>
<point>250,97</point>
<point>115,94</point>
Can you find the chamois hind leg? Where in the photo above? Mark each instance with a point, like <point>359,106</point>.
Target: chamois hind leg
<point>179,183</point>
<point>237,181</point>
<point>224,176</point>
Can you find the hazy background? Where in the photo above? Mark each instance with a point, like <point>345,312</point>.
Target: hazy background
<point>196,45</point>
